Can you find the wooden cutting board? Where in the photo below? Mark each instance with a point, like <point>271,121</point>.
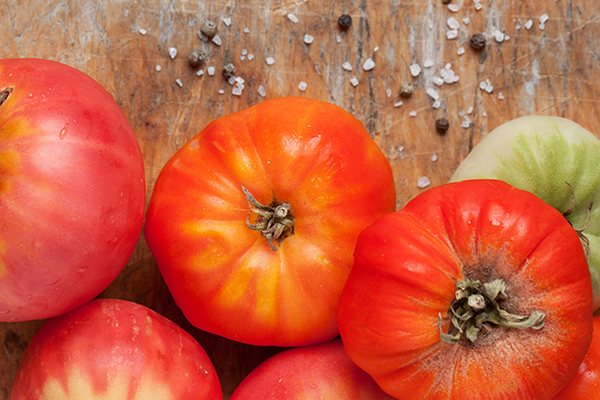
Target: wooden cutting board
<point>541,57</point>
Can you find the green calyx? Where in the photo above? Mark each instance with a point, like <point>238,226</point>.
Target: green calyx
<point>275,221</point>
<point>476,305</point>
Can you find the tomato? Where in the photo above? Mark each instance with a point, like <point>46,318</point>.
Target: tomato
<point>586,383</point>
<point>549,157</point>
<point>114,349</point>
<point>72,189</point>
<point>319,372</point>
<point>253,222</point>
<point>481,256</point>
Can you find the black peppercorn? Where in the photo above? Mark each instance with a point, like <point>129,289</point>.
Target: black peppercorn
<point>477,41</point>
<point>229,70</point>
<point>442,125</point>
<point>209,29</point>
<point>407,89</point>
<point>345,21</point>
<point>196,57</point>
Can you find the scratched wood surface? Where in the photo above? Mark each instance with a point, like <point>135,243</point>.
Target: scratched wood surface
<point>550,68</point>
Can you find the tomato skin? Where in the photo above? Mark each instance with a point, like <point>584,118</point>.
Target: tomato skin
<point>541,154</point>
<point>407,264</point>
<point>586,383</point>
<point>72,189</point>
<point>114,349</point>
<point>319,372</point>
<point>223,275</point>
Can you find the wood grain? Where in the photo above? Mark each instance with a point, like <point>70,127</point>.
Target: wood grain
<point>551,71</point>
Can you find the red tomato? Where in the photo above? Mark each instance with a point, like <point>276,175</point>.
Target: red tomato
<point>586,383</point>
<point>319,372</point>
<point>112,350</point>
<point>278,285</point>
<point>502,265</point>
<point>72,190</point>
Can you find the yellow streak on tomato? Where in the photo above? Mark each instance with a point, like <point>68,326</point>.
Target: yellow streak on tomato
<point>9,160</point>
<point>79,386</point>
<point>3,269</point>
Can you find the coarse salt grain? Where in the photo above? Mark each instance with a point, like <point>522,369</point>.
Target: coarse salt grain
<point>210,71</point>
<point>250,57</point>
<point>528,24</point>
<point>428,63</point>
<point>452,34</point>
<point>423,182</point>
<point>452,23</point>
<point>221,91</point>
<point>432,93</point>
<point>466,21</point>
<point>434,158</point>
<point>293,18</point>
<point>354,81</point>
<point>376,48</point>
<point>158,67</point>
<point>226,21</point>
<point>437,80</point>
<point>369,64</point>
<point>415,69</point>
<point>478,6</point>
<point>338,39</point>
<point>500,96</point>
<point>400,148</point>
<point>460,51</point>
<point>200,72</point>
<point>242,58</point>
<point>236,91</point>
<point>388,92</point>
<point>217,40</point>
<point>246,30</point>
<point>346,65</point>
<point>398,104</point>
<point>453,7</point>
<point>308,39</point>
<point>466,122</point>
<point>302,86</point>
<point>261,91</point>
<point>470,110</point>
<point>544,18</point>
<point>499,36</point>
<point>542,26</point>
<point>436,104</point>
<point>412,113</point>
<point>244,52</point>
<point>178,81</point>
<point>143,31</point>
<point>172,52</point>
<point>270,60</point>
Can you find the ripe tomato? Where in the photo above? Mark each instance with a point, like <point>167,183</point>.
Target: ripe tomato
<point>586,383</point>
<point>72,190</point>
<point>114,349</point>
<point>319,178</point>
<point>321,371</point>
<point>554,158</point>
<point>502,273</point>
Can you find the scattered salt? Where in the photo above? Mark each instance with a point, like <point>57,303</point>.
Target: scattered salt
<point>460,51</point>
<point>499,36</point>
<point>412,113</point>
<point>528,24</point>
<point>423,182</point>
<point>478,6</point>
<point>437,80</point>
<point>354,81</point>
<point>432,93</point>
<point>466,21</point>
<point>376,48</point>
<point>210,71</point>
<point>428,63</point>
<point>436,104</point>
<point>246,30</point>
<point>388,92</point>
<point>486,85</point>
<point>470,110</point>
<point>172,52</point>
<point>302,86</point>
<point>293,18</point>
<point>244,52</point>
<point>202,36</point>
<point>178,81</point>
<point>544,18</point>
<point>452,23</point>
<point>369,64</point>
<point>415,69</point>
<point>484,114</point>
<point>200,72</point>
<point>217,40</point>
<point>430,24</point>
<point>398,104</point>
<point>143,31</point>
<point>270,60</point>
<point>346,65</point>
<point>452,34</point>
<point>221,91</point>
<point>242,58</point>
<point>506,37</point>
<point>308,39</point>
<point>400,148</point>
<point>261,91</point>
<point>226,21</point>
<point>453,7</point>
<point>542,26</point>
<point>466,122</point>
<point>250,57</point>
<point>500,96</point>
<point>338,38</point>
<point>158,67</point>
<point>236,91</point>
<point>434,157</point>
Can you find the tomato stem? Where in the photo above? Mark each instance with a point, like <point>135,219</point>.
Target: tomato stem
<point>274,221</point>
<point>475,305</point>
<point>4,95</point>
<point>585,242</point>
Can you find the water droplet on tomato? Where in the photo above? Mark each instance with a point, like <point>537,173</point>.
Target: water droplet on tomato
<point>495,222</point>
<point>30,296</point>
<point>81,270</point>
<point>4,311</point>
<point>63,131</point>
<point>113,240</point>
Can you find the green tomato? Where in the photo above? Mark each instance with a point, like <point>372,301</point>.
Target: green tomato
<point>547,156</point>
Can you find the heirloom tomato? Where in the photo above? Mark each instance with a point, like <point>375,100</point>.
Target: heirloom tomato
<point>319,372</point>
<point>557,160</point>
<point>474,290</point>
<point>586,383</point>
<point>72,190</point>
<point>253,222</point>
<point>114,349</point>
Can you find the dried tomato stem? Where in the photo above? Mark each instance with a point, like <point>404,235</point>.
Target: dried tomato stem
<point>4,95</point>
<point>274,221</point>
<point>476,305</point>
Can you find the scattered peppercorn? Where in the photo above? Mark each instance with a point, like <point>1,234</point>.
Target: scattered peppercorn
<point>196,57</point>
<point>442,125</point>
<point>345,21</point>
<point>477,41</point>
<point>229,70</point>
<point>209,29</point>
<point>407,89</point>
